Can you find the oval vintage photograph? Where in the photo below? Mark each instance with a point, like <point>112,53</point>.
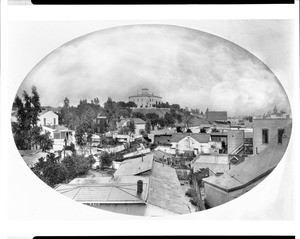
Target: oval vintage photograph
<point>151,120</point>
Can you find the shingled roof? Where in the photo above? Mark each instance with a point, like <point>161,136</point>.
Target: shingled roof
<point>135,166</point>
<point>199,137</point>
<point>165,190</point>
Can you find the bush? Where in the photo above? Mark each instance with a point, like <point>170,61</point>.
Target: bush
<point>50,170</point>
<point>191,193</point>
<point>194,201</point>
<point>76,166</point>
<point>106,160</point>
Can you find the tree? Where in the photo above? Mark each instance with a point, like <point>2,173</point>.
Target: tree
<point>96,101</point>
<point>202,130</point>
<point>84,133</point>
<point>148,127</point>
<point>138,114</point>
<point>179,129</point>
<point>66,103</point>
<point>91,160</point>
<point>122,104</point>
<point>153,118</point>
<point>106,160</point>
<point>161,122</point>
<point>131,126</point>
<point>70,165</point>
<point>169,120</point>
<point>206,112</point>
<point>175,106</point>
<point>26,132</point>
<point>36,106</point>
<point>275,110</point>
<point>76,165</point>
<point>50,170</point>
<point>131,104</point>
<point>45,141</point>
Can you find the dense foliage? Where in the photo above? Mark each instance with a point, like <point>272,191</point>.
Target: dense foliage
<point>52,171</point>
<point>27,133</point>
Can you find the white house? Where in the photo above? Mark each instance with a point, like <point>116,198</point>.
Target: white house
<point>61,135</point>
<point>190,143</point>
<point>139,124</point>
<point>47,117</point>
<point>145,99</point>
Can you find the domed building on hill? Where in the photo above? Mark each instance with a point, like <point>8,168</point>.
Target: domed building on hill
<point>145,99</point>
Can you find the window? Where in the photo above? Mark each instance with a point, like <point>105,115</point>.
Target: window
<point>265,136</point>
<point>56,135</point>
<point>280,135</point>
<point>54,121</point>
<point>44,121</point>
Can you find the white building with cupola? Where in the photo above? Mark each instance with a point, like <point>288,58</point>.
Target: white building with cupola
<point>146,99</point>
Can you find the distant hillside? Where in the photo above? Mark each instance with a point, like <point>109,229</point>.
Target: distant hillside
<point>160,112</point>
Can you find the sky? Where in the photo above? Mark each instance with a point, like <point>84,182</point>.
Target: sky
<point>185,66</point>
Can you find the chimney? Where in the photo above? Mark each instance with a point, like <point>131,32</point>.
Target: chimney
<point>139,187</point>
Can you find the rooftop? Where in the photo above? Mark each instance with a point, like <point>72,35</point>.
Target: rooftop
<point>163,131</point>
<point>58,128</point>
<point>199,137</point>
<point>254,167</point>
<point>158,155</point>
<point>105,190</point>
<point>118,193</point>
<point>135,166</point>
<point>165,190</point>
<point>144,95</point>
<point>44,111</point>
<point>197,121</point>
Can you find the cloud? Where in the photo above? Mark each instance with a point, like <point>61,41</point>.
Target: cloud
<point>184,66</point>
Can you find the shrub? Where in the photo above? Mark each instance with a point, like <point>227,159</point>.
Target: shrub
<point>194,201</point>
<point>191,193</point>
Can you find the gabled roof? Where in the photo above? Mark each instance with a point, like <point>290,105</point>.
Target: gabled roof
<point>163,131</point>
<point>45,111</point>
<point>105,190</point>
<point>216,115</point>
<point>135,166</point>
<point>165,190</point>
<point>254,167</point>
<point>197,121</point>
<point>199,137</point>
<point>138,121</point>
<point>159,155</point>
